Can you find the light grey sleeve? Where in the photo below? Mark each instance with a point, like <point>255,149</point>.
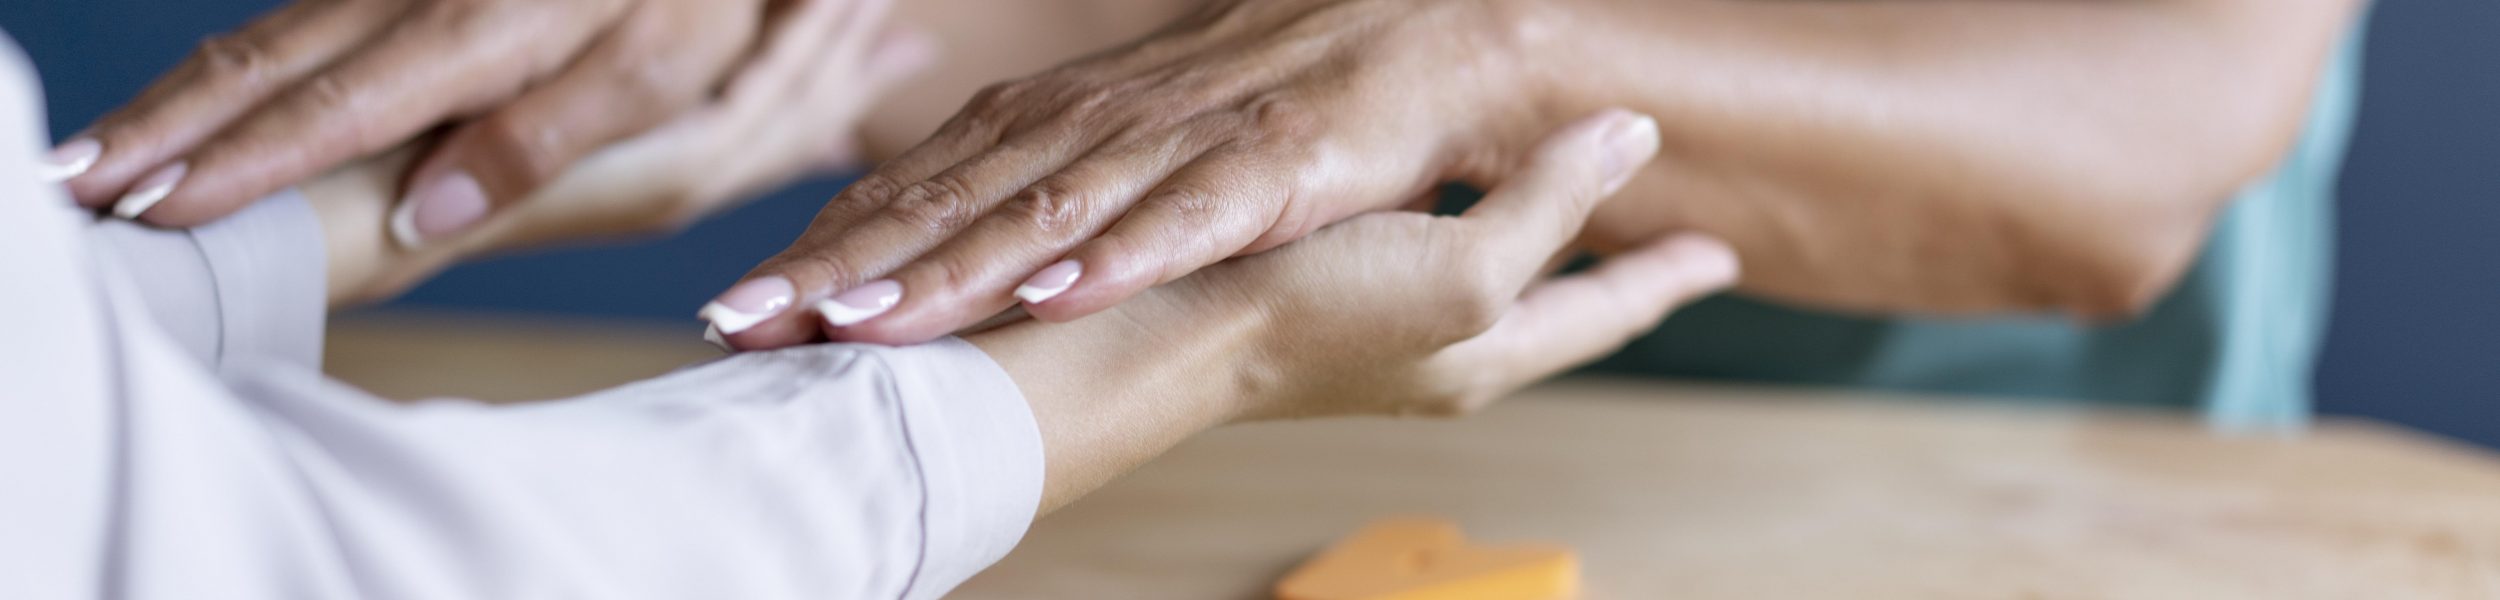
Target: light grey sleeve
<point>250,285</point>
<point>144,460</point>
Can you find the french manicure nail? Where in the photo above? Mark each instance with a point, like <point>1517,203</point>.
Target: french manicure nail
<point>1628,144</point>
<point>437,209</point>
<point>711,335</point>
<point>151,190</point>
<point>748,303</point>
<point>1049,283</point>
<point>70,159</point>
<point>861,303</point>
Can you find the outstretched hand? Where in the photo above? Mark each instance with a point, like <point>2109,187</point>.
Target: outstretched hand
<point>1392,313</point>
<point>527,88</point>
<point>1236,130</point>
<point>1410,314</point>
<point>788,112</point>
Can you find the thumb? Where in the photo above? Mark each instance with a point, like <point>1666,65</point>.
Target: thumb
<point>1569,321</point>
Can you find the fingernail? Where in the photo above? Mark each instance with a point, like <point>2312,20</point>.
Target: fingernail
<point>748,303</point>
<point>1050,282</point>
<point>70,159</point>
<point>711,334</point>
<point>1628,144</point>
<point>437,209</point>
<point>861,303</point>
<point>151,190</point>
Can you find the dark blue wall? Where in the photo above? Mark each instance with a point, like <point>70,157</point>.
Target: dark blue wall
<point>2416,337</point>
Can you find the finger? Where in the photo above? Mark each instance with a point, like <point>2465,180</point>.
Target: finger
<point>1573,320</point>
<point>1541,208</point>
<point>451,58</point>
<point>976,273</point>
<point>636,77</point>
<point>852,241</point>
<point>1212,209</point>
<point>970,132</point>
<point>226,77</point>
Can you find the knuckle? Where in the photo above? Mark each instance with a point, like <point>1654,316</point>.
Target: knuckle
<point>1088,99</point>
<point>330,93</point>
<point>817,268</point>
<point>997,97</point>
<point>236,59</point>
<point>1190,203</point>
<point>1282,115</point>
<point>340,103</point>
<point>1049,207</point>
<point>874,186</point>
<point>527,146</point>
<point>940,205</point>
<point>1473,303</point>
<point>945,274</point>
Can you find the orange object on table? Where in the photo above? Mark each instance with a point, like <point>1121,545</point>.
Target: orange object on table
<point>1417,558</point>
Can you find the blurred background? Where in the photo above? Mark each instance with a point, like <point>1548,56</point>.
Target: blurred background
<point>2415,337</point>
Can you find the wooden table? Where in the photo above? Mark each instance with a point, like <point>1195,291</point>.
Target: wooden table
<point>1689,491</point>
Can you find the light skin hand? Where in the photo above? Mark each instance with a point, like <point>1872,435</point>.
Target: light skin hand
<point>527,87</point>
<point>1400,314</point>
<point>1243,126</point>
<point>788,112</point>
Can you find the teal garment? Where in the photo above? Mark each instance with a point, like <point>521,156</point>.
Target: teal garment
<point>2237,338</point>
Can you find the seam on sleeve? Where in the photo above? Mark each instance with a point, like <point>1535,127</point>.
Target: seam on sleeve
<point>217,303</point>
<point>893,389</point>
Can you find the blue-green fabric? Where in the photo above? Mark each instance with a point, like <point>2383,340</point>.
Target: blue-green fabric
<point>2237,338</point>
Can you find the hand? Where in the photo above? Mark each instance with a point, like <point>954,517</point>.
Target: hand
<point>528,86</point>
<point>1390,313</point>
<point>1239,129</point>
<point>1410,314</point>
<point>786,113</point>
<point>1396,313</point>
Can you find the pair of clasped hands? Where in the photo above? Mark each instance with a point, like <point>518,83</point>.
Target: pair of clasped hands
<point>1252,156</point>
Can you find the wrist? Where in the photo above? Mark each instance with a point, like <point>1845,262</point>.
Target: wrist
<point>1173,347</point>
<point>1113,389</point>
<point>351,206</point>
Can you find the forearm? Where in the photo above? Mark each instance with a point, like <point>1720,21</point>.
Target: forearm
<point>1940,156</point>
<point>1111,391</point>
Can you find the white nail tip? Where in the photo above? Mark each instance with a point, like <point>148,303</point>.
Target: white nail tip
<point>404,226</point>
<point>712,335</point>
<point>844,315</point>
<point>56,173</point>
<point>730,320</point>
<point>1033,294</point>
<point>138,202</point>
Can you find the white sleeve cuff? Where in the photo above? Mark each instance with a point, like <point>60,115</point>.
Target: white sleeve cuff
<point>980,456</point>
<point>251,285</point>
